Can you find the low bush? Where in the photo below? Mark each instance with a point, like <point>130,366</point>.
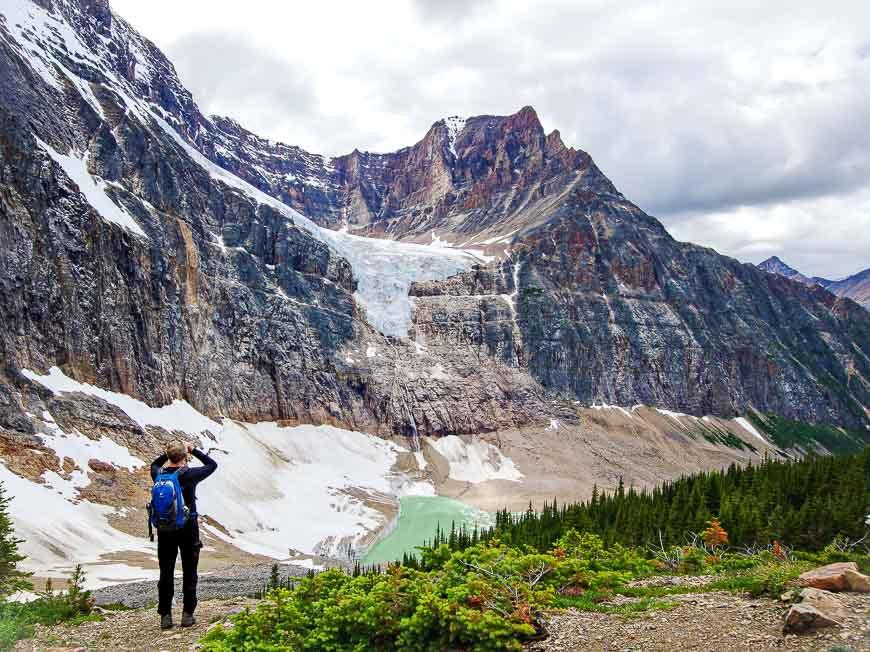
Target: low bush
<point>771,578</point>
<point>486,597</point>
<point>74,605</point>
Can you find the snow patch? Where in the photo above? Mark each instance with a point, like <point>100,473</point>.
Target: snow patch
<point>81,450</point>
<point>455,124</point>
<point>475,460</point>
<point>94,189</point>
<point>58,533</point>
<point>604,406</point>
<point>673,415</point>
<point>748,427</point>
<point>178,415</point>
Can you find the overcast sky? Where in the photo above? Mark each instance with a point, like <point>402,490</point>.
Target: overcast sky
<point>741,128</point>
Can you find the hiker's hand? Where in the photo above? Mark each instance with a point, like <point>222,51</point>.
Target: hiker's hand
<point>190,447</point>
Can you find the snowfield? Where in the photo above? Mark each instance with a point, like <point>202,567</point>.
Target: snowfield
<point>277,489</point>
<point>475,461</point>
<point>277,492</point>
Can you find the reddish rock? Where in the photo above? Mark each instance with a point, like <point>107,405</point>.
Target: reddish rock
<point>101,467</point>
<point>824,601</point>
<point>829,578</point>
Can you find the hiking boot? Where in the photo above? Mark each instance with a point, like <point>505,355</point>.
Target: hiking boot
<point>166,621</point>
<point>187,620</point>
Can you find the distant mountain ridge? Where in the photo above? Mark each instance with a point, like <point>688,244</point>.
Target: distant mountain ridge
<point>855,287</point>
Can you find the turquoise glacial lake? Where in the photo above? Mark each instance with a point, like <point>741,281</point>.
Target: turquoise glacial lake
<point>419,517</point>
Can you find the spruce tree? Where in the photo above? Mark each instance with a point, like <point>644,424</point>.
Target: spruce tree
<point>11,578</point>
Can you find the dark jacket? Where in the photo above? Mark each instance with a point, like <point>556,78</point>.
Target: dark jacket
<point>189,477</point>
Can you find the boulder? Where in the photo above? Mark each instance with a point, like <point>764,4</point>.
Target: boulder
<point>803,618</point>
<point>825,601</point>
<point>829,578</point>
<point>857,582</point>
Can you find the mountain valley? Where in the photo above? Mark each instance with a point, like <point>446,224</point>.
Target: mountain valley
<point>481,315</point>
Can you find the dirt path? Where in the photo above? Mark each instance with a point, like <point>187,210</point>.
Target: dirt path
<point>719,621</point>
<point>133,631</point>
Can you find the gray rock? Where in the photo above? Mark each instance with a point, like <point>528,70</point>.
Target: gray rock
<point>803,618</point>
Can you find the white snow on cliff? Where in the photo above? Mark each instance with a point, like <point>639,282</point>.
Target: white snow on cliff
<point>384,269</point>
<point>455,124</point>
<point>748,427</point>
<point>94,189</point>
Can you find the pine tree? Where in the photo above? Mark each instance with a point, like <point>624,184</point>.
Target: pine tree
<point>12,579</point>
<point>274,578</point>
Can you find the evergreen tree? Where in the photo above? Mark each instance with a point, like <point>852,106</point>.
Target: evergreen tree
<point>11,578</point>
<point>802,503</point>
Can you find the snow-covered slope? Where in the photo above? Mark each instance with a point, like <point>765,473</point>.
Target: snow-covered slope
<point>277,489</point>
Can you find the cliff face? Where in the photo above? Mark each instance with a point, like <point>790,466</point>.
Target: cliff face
<point>609,309</point>
<point>157,252</point>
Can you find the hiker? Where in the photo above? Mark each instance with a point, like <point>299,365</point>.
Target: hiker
<point>172,511</point>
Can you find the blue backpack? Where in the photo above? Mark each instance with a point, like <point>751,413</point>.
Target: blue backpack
<point>167,511</point>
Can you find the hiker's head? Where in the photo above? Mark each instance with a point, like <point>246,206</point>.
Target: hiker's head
<point>177,452</point>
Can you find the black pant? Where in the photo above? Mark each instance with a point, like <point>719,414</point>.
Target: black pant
<point>169,544</point>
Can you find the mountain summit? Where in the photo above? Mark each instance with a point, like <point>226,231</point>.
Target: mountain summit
<point>855,287</point>
<point>151,250</point>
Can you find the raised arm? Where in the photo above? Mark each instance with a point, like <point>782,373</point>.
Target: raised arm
<point>157,464</point>
<point>200,473</point>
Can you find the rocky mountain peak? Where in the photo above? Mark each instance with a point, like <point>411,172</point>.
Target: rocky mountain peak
<point>151,250</point>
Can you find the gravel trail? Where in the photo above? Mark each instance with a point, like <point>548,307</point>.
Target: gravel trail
<point>225,582</point>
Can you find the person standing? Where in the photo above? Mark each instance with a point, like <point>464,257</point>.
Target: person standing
<point>184,539</point>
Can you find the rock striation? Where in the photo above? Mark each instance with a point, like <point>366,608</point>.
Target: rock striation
<point>151,250</point>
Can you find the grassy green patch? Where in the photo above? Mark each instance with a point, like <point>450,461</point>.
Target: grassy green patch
<point>17,619</point>
<point>808,436</point>
<point>771,579</point>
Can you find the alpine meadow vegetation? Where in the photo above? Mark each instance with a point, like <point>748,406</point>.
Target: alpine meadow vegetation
<point>753,529</point>
<point>18,618</point>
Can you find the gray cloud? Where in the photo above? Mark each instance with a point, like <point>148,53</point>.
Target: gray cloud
<point>448,10</point>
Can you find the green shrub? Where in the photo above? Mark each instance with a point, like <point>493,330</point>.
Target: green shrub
<point>14,624</point>
<point>771,578</point>
<point>73,605</point>
<point>731,562</point>
<point>694,560</point>
<point>486,597</point>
